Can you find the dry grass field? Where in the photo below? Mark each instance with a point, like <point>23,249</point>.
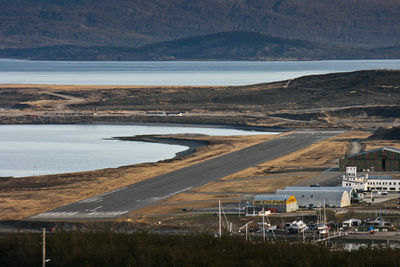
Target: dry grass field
<point>372,144</point>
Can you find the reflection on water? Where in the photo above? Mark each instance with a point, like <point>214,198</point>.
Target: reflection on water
<point>351,245</point>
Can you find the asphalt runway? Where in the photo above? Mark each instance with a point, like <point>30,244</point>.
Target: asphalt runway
<point>121,201</point>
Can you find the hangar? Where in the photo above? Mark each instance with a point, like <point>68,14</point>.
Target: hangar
<point>318,196</point>
<point>275,203</point>
<point>380,159</point>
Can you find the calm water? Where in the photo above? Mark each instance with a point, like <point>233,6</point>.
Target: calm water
<point>27,150</point>
<point>175,72</point>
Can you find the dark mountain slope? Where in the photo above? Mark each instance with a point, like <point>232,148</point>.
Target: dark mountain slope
<point>220,46</point>
<point>27,23</point>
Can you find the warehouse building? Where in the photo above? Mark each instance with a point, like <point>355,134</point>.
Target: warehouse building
<point>319,196</point>
<point>275,203</point>
<point>385,159</point>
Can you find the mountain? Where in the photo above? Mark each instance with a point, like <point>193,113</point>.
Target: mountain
<point>135,23</point>
<point>220,46</point>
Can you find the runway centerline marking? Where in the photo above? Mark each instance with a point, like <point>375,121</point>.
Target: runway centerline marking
<point>173,194</point>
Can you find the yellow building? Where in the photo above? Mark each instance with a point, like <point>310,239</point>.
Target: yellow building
<point>275,203</point>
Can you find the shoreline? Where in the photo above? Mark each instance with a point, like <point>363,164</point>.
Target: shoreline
<point>181,139</point>
<point>242,127</point>
<point>191,144</point>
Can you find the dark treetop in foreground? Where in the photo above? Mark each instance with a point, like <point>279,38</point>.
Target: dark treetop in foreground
<point>140,249</point>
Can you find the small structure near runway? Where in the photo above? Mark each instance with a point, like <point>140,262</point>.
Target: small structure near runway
<point>275,203</point>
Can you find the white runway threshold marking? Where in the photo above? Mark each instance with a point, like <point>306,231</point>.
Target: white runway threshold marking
<point>106,214</point>
<point>99,198</point>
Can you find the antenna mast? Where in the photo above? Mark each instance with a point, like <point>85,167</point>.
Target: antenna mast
<point>219,218</point>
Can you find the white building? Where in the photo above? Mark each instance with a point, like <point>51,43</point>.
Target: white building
<point>369,183</point>
<point>350,179</point>
<point>383,183</point>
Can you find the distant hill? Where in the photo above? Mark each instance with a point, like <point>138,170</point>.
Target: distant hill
<point>386,134</point>
<point>361,99</point>
<point>134,23</point>
<point>220,46</point>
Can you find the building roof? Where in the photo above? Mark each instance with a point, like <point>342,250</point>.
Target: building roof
<point>370,177</point>
<point>387,148</point>
<point>318,188</point>
<point>272,197</point>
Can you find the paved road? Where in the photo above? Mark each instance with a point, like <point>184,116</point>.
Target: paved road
<point>141,194</point>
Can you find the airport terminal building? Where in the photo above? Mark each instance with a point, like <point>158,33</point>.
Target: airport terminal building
<point>367,182</point>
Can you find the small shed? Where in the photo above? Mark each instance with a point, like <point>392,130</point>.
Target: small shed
<point>380,159</point>
<point>353,222</point>
<point>319,196</point>
<point>275,203</point>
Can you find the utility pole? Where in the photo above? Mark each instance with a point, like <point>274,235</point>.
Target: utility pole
<point>247,229</point>
<point>43,247</point>
<point>239,207</point>
<point>263,229</point>
<point>220,218</point>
